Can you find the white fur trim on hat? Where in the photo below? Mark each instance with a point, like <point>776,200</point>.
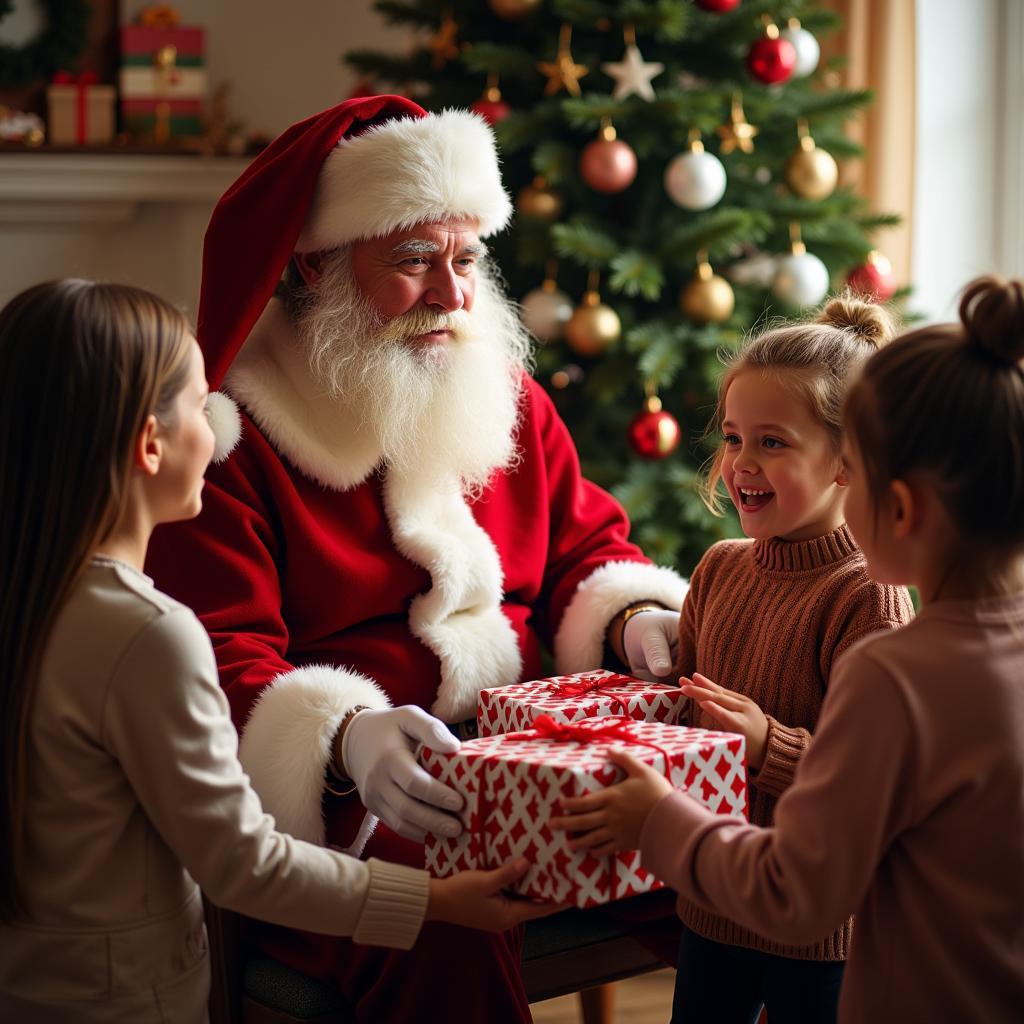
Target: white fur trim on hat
<point>579,643</point>
<point>288,738</point>
<point>225,422</point>
<point>404,172</point>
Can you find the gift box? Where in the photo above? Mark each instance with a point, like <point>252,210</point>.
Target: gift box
<point>572,698</point>
<point>162,80</point>
<point>514,783</point>
<point>81,111</point>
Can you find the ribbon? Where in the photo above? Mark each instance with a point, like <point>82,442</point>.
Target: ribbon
<point>81,83</point>
<point>607,728</point>
<point>591,685</point>
<point>590,730</point>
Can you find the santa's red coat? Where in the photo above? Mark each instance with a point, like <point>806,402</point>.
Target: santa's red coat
<point>287,574</point>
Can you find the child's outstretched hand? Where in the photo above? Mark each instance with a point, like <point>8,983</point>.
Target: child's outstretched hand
<point>477,899</point>
<point>733,711</point>
<point>612,818</point>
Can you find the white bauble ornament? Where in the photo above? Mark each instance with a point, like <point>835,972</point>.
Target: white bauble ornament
<point>758,270</point>
<point>801,279</point>
<point>546,311</point>
<point>808,52</point>
<point>695,180</point>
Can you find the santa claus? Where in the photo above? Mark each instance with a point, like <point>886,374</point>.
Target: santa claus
<point>402,520</point>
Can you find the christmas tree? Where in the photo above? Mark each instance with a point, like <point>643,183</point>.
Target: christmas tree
<point>675,181</point>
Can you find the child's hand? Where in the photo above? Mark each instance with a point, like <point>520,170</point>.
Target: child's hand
<point>612,818</point>
<point>476,899</point>
<point>733,711</point>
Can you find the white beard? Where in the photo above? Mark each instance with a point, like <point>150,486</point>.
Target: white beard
<point>435,411</point>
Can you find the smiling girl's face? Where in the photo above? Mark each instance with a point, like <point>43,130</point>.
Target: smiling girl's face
<point>779,463</point>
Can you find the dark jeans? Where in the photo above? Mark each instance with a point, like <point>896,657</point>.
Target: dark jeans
<point>719,984</point>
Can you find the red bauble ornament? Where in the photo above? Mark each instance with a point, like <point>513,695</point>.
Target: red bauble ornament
<point>654,433</point>
<point>873,279</point>
<point>491,107</point>
<point>718,6</point>
<point>771,60</point>
<point>608,164</point>
<point>492,111</point>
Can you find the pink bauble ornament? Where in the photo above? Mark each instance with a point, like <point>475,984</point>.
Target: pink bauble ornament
<point>608,164</point>
<point>771,60</point>
<point>873,279</point>
<point>546,311</point>
<point>718,6</point>
<point>654,433</point>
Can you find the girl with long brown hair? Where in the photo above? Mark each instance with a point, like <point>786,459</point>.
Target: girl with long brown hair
<point>119,767</point>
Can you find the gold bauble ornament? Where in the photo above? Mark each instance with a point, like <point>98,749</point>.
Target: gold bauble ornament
<point>538,201</point>
<point>513,10</point>
<point>707,298</point>
<point>811,173</point>
<point>593,326</point>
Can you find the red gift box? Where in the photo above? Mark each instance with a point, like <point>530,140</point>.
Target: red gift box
<point>513,784</point>
<point>572,698</point>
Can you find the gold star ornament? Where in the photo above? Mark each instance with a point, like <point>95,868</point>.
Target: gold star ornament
<point>737,134</point>
<point>442,43</point>
<point>563,72</point>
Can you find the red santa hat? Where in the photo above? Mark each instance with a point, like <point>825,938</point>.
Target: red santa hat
<point>362,169</point>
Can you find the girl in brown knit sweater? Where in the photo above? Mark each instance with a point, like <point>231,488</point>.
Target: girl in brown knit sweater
<point>909,806</point>
<point>763,623</point>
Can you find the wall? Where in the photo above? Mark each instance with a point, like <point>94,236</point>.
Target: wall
<point>283,60</point>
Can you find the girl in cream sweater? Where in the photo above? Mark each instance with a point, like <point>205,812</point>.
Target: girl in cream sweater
<point>120,782</point>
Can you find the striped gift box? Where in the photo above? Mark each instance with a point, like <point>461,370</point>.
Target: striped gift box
<point>162,79</point>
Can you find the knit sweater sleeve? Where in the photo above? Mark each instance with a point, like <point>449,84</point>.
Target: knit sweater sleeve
<point>864,608</point>
<point>784,748</point>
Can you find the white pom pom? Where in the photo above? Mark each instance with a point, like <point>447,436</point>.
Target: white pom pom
<point>226,423</point>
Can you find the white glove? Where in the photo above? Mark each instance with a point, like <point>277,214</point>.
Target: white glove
<point>651,643</point>
<point>379,752</point>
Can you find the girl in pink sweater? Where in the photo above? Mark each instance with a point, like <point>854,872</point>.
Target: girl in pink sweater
<point>908,807</point>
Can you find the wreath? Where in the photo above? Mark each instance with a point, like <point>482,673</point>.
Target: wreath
<point>55,48</point>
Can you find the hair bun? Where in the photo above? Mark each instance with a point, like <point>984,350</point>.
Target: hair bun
<point>992,312</point>
<point>868,320</point>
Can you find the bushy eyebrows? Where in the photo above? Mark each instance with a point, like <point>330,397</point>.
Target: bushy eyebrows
<point>421,246</point>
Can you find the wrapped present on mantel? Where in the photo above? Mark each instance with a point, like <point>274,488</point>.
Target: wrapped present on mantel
<point>514,784</point>
<point>81,112</point>
<point>571,698</point>
<point>163,80</point>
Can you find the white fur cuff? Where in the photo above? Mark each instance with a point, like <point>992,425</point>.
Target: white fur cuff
<point>225,422</point>
<point>287,741</point>
<point>579,643</point>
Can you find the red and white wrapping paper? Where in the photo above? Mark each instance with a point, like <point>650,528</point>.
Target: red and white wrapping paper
<point>513,784</point>
<point>572,698</point>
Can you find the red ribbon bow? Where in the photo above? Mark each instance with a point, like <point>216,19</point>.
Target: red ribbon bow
<point>592,730</point>
<point>591,685</point>
<point>81,82</point>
